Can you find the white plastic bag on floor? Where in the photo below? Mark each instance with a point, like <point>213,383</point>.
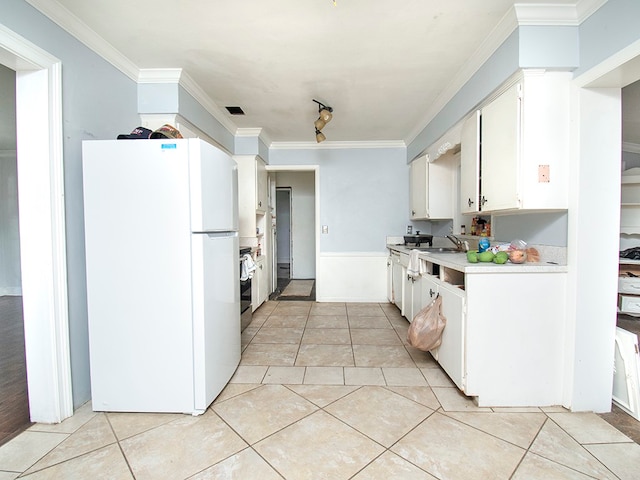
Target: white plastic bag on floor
<point>425,331</point>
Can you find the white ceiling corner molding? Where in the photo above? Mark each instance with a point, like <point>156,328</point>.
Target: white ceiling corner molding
<point>329,145</point>
<point>78,29</point>
<point>546,14</point>
<point>254,132</point>
<point>494,40</point>
<point>248,132</point>
<point>159,75</point>
<point>631,147</point>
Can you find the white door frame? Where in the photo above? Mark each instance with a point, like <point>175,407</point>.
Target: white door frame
<point>592,286</point>
<point>316,174</point>
<point>42,226</point>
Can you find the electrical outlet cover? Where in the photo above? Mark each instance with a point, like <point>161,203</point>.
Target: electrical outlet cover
<point>543,174</point>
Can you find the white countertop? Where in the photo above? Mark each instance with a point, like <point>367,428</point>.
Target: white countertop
<point>458,261</point>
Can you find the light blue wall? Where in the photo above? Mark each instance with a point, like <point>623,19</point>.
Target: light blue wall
<point>549,47</point>
<point>364,194</point>
<point>98,102</point>
<point>612,28</point>
<point>534,228</point>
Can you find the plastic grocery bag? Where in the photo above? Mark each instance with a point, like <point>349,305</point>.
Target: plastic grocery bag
<point>425,331</point>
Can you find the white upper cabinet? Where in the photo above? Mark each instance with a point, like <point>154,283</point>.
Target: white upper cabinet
<point>501,125</point>
<point>521,160</point>
<point>432,186</point>
<point>470,164</point>
<point>262,176</point>
<point>253,197</point>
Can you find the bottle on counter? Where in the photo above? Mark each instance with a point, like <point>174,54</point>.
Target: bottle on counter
<point>463,230</point>
<point>483,244</point>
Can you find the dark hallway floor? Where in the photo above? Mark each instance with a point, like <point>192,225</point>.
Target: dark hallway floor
<point>14,402</point>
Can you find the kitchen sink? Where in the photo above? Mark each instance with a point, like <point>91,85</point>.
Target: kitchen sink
<point>438,249</point>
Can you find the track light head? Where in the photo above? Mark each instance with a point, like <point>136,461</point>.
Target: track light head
<point>324,117</point>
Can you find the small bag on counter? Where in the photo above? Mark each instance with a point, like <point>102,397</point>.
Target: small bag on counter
<point>425,331</point>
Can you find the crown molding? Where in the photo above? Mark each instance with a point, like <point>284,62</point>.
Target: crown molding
<point>630,147</point>
<point>159,75</point>
<point>78,29</point>
<point>546,14</point>
<point>329,145</point>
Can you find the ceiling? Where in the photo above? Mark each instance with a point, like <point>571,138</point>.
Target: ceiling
<point>385,67</point>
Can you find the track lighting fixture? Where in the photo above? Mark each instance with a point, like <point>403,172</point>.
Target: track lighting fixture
<point>324,117</point>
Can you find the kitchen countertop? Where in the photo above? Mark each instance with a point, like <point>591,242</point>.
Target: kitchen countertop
<point>458,261</point>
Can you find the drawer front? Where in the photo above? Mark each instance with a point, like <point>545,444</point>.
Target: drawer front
<point>629,303</point>
<point>629,285</point>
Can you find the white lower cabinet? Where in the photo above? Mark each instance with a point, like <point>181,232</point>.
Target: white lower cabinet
<point>259,284</point>
<point>626,373</point>
<point>502,344</point>
<point>397,283</point>
<point>451,350</point>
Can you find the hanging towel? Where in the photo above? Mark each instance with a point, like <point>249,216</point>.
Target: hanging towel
<point>414,269</point>
<point>247,268</point>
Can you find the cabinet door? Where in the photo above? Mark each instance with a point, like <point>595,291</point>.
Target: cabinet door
<point>441,188</point>
<point>256,284</point>
<point>418,178</point>
<point>470,164</point>
<point>263,287</point>
<point>261,185</point>
<point>390,278</point>
<point>500,151</point>
<point>416,297</point>
<point>429,290</point>
<point>451,350</point>
<point>398,284</point>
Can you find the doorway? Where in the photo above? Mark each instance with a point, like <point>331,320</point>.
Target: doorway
<point>43,264</point>
<point>296,212</point>
<point>283,237</point>
<point>14,414</point>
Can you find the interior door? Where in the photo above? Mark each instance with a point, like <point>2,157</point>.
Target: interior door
<point>625,373</point>
<point>470,164</point>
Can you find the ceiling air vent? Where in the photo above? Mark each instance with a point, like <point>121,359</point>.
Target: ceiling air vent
<point>235,110</point>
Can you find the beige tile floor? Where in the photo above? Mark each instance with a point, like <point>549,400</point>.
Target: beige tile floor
<point>328,391</point>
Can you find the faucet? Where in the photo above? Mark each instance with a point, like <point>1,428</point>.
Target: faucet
<point>457,242</point>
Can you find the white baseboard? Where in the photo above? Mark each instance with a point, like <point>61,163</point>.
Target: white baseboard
<point>352,277</point>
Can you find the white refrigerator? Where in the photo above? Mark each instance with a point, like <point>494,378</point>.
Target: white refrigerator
<point>163,291</point>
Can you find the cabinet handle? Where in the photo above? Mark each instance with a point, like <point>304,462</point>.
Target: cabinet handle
<point>413,213</point>
<point>259,204</point>
<point>431,292</point>
<point>470,202</point>
<point>483,201</point>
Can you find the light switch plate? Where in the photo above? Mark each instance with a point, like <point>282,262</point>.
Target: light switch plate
<point>543,174</point>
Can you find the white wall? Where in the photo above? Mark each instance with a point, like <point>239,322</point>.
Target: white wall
<point>303,221</point>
